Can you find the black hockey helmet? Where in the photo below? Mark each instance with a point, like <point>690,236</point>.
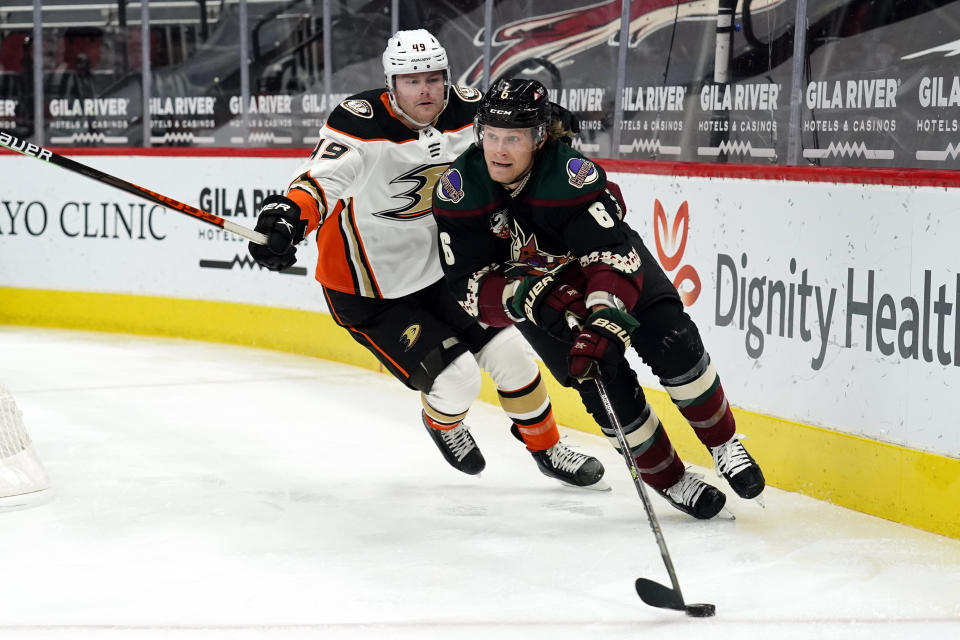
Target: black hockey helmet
<point>514,104</point>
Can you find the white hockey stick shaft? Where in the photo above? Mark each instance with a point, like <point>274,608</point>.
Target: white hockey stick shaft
<point>23,147</point>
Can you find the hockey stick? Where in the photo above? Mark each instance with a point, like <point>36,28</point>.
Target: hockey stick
<point>653,593</point>
<point>23,147</point>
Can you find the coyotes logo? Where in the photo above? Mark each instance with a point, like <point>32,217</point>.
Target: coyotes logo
<point>556,37</point>
<point>674,240</point>
<point>527,258</point>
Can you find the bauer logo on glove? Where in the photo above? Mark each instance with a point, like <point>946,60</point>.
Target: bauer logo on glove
<point>600,345</point>
<point>539,286</point>
<point>279,219</point>
<point>615,330</point>
<point>548,304</point>
<point>276,205</point>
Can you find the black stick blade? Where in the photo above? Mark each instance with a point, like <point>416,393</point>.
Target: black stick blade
<point>700,610</point>
<point>657,595</point>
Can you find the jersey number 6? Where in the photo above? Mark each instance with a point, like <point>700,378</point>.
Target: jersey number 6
<point>599,213</point>
<point>445,245</point>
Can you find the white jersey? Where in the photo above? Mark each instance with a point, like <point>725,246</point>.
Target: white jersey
<point>368,190</point>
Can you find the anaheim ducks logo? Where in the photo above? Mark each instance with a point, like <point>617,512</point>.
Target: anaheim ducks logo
<point>581,172</point>
<point>410,336</point>
<point>416,197</point>
<point>467,94</point>
<point>360,108</point>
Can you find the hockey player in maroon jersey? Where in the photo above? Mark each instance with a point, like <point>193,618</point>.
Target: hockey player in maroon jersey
<point>532,235</point>
<point>367,190</point>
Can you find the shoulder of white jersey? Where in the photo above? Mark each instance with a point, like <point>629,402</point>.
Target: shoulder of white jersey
<point>365,116</point>
<point>462,104</point>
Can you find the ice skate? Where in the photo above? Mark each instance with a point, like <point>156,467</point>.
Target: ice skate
<point>568,466</point>
<point>738,467</point>
<point>695,497</point>
<point>458,447</point>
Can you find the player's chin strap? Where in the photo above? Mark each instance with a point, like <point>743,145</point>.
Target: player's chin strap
<point>420,125</point>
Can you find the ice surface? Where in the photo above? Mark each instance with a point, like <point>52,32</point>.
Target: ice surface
<point>209,491</point>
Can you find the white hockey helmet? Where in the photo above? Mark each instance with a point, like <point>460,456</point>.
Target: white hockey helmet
<point>414,51</point>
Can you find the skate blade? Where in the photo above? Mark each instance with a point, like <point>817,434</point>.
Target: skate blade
<point>725,514</point>
<point>599,485</point>
<point>26,500</point>
<point>759,500</point>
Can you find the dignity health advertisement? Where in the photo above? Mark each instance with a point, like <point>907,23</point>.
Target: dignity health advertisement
<point>828,304</point>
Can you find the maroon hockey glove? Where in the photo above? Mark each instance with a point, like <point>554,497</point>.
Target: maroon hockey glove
<point>549,305</point>
<point>599,348</point>
<point>279,219</point>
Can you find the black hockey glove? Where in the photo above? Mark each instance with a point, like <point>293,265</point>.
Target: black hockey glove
<point>549,305</point>
<point>279,219</point>
<point>567,120</point>
<point>599,348</point>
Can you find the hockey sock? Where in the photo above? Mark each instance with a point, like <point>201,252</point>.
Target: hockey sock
<point>658,462</point>
<point>699,396</point>
<point>530,409</point>
<point>438,419</point>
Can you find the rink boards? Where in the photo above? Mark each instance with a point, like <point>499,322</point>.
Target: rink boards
<point>831,309</point>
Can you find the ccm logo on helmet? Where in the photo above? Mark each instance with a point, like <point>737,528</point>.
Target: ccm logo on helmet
<point>501,112</point>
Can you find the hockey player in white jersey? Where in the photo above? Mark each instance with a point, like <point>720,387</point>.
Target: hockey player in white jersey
<point>367,191</point>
